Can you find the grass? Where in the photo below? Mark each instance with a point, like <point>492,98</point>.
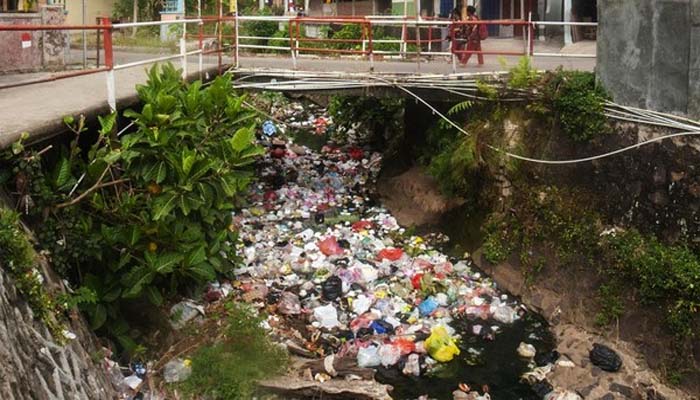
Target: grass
<point>229,367</point>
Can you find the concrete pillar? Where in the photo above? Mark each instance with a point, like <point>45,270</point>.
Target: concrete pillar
<point>649,53</point>
<point>694,65</point>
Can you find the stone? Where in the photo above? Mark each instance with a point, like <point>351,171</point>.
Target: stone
<point>607,396</point>
<point>659,198</point>
<point>622,389</point>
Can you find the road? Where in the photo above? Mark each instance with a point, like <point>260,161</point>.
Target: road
<point>39,108</point>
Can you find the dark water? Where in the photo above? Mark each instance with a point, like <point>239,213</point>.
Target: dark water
<point>498,364</point>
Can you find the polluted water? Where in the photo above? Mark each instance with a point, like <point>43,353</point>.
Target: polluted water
<point>342,283</point>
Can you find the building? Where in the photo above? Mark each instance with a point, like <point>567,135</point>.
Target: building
<point>31,50</point>
<point>93,10</point>
<point>540,10</point>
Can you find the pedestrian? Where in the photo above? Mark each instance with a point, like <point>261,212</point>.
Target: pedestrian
<point>458,36</point>
<point>475,33</point>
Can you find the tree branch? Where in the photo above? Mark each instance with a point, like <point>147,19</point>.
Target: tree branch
<point>96,186</point>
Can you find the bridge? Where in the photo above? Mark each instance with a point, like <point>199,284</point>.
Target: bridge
<point>37,102</point>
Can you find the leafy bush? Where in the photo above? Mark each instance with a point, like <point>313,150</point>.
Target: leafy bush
<point>662,274</point>
<point>153,216</point>
<point>229,368</point>
<point>523,75</point>
<point>258,28</point>
<point>579,102</point>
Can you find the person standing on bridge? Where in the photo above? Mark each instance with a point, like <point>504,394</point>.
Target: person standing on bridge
<point>475,33</point>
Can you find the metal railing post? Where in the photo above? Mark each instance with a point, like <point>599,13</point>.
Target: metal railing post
<point>109,63</point>
<point>370,35</point>
<point>183,51</point>
<point>292,44</point>
<point>236,33</point>
<point>528,35</point>
<point>201,47</point>
<point>452,47</point>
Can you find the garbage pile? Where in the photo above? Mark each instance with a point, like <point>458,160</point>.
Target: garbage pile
<point>343,281</point>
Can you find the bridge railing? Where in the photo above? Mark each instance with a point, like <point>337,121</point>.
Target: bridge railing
<point>370,37</point>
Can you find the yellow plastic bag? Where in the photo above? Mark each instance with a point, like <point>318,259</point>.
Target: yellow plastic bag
<point>440,345</point>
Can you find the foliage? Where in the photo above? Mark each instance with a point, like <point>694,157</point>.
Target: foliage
<point>522,75</point>
<point>365,115</point>
<point>258,28</point>
<point>668,275</point>
<point>153,216</point>
<point>579,102</point>
<point>18,258</point>
<point>229,368</point>
<point>545,219</point>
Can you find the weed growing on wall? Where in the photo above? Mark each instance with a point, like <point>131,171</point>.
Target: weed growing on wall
<point>18,258</point>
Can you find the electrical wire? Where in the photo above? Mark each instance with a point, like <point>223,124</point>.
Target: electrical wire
<point>455,85</point>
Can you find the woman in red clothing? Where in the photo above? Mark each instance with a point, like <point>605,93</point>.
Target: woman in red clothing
<point>473,37</point>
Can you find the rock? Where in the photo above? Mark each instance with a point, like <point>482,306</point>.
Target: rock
<point>659,198</point>
<point>622,389</point>
<point>607,396</point>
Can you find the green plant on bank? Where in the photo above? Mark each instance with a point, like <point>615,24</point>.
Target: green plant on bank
<point>18,258</point>
<point>611,307</point>
<point>371,115</point>
<point>579,103</point>
<point>146,215</point>
<point>662,274</point>
<point>229,368</point>
<point>523,75</point>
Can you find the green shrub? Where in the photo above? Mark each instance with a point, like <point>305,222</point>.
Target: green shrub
<point>147,215</point>
<point>667,275</point>
<point>523,75</point>
<point>230,368</point>
<point>579,103</point>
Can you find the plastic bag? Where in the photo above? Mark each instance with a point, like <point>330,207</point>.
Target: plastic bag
<point>440,345</point>
<point>368,357</point>
<point>526,350</point>
<point>361,304</point>
<point>389,354</point>
<point>412,366</point>
<point>391,254</point>
<point>605,358</point>
<point>269,128</point>
<point>330,247</point>
<point>427,306</point>
<point>177,370</point>
<point>289,304</point>
<point>361,226</point>
<point>405,345</point>
<point>327,316</point>
<point>332,288</point>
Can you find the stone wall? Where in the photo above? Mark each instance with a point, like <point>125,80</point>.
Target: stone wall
<point>34,366</point>
<point>649,53</point>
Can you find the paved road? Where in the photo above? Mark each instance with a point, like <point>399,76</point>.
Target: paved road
<point>39,108</point>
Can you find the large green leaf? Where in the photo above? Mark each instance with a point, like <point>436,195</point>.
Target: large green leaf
<point>163,204</point>
<point>196,256</point>
<point>243,138</point>
<point>98,317</point>
<point>154,296</point>
<point>165,263</point>
<point>61,173</point>
<point>203,272</point>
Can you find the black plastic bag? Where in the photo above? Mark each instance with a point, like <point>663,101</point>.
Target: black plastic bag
<point>332,288</point>
<point>605,358</point>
